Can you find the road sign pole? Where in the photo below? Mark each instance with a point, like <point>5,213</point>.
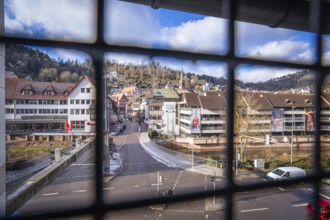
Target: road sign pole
<point>157,184</point>
<point>214,188</point>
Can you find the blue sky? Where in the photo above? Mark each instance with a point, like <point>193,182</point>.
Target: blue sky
<point>133,24</point>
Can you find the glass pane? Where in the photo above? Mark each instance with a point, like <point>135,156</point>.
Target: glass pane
<point>140,25</point>
<point>262,42</point>
<point>171,114</point>
<point>274,123</point>
<point>50,129</point>
<point>326,50</point>
<point>60,20</point>
<point>271,202</point>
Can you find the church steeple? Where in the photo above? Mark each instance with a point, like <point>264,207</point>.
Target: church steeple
<point>181,82</point>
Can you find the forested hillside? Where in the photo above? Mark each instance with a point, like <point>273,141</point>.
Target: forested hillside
<point>24,61</point>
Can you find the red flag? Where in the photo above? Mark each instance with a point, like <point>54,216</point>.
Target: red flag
<point>67,126</point>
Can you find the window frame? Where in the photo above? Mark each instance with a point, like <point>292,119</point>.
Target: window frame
<point>99,207</point>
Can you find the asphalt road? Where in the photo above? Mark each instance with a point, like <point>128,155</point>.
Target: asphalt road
<point>138,179</point>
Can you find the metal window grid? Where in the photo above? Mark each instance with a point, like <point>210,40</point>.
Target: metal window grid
<point>97,50</point>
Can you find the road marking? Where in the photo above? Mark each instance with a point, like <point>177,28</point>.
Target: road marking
<point>299,205</point>
<point>156,184</point>
<point>280,188</point>
<point>80,191</point>
<point>122,145</point>
<point>177,180</point>
<point>325,196</point>
<point>108,188</point>
<point>50,194</point>
<point>253,210</point>
<point>81,162</point>
<point>136,186</point>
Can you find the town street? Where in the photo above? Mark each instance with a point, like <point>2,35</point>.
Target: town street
<point>138,179</point>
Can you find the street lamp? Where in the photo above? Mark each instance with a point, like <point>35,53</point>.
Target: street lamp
<point>291,153</point>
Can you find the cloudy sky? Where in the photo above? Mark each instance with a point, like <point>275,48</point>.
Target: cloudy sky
<point>132,24</point>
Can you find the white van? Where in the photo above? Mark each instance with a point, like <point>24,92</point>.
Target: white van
<point>285,173</point>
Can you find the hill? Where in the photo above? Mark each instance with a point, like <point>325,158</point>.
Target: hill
<point>24,61</point>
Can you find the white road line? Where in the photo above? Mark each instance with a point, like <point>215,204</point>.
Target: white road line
<point>299,205</point>
<point>50,194</point>
<point>136,186</point>
<point>155,184</point>
<point>280,188</point>
<point>325,196</point>
<point>108,188</point>
<point>177,180</point>
<point>80,191</point>
<point>122,145</point>
<point>253,210</point>
<point>82,164</point>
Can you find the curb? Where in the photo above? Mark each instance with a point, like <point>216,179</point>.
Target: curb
<point>157,207</point>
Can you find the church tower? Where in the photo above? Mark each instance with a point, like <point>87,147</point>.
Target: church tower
<point>181,82</point>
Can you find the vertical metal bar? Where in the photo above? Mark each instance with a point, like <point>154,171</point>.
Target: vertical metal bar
<point>316,15</point>
<point>230,11</point>
<point>98,62</point>
<point>2,120</point>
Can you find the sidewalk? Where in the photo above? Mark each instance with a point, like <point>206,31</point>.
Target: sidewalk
<point>115,165</point>
<point>173,161</point>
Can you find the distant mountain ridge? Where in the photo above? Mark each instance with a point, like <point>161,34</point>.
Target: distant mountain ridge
<point>25,61</point>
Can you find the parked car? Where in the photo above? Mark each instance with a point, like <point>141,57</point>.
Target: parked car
<point>324,208</point>
<point>114,132</point>
<point>285,173</point>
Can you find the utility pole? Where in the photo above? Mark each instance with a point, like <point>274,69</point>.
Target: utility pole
<point>158,184</point>
<point>192,158</point>
<point>291,149</point>
<point>106,151</point>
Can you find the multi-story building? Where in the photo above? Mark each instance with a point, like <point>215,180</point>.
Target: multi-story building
<point>49,106</point>
<point>202,115</point>
<point>163,111</point>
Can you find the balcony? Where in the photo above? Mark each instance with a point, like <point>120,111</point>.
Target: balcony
<point>156,113</point>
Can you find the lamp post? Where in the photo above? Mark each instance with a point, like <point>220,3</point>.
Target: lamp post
<point>106,151</point>
<point>291,149</point>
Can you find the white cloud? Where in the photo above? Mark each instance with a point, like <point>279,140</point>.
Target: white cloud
<point>71,54</point>
<point>129,24</point>
<point>61,19</point>
<point>127,58</point>
<point>207,34</point>
<point>260,74</point>
<point>294,51</point>
<point>326,58</point>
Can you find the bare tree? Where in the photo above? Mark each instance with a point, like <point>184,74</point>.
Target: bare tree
<point>248,120</point>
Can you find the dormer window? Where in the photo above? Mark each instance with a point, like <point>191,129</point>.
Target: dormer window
<point>307,101</point>
<point>49,91</point>
<point>288,101</point>
<point>67,91</point>
<point>27,92</point>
